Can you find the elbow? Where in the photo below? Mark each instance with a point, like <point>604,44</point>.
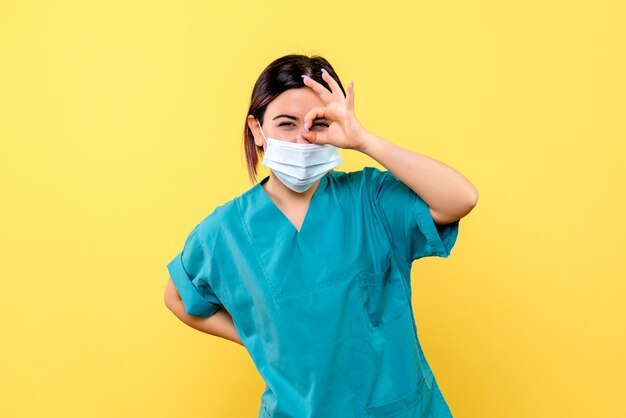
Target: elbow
<point>472,200</point>
<point>468,205</point>
<point>171,296</point>
<point>167,301</point>
<point>461,209</point>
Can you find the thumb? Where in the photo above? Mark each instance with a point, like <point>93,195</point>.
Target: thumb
<point>310,136</point>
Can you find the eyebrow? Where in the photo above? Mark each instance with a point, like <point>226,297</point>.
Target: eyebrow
<point>292,117</point>
<point>285,116</point>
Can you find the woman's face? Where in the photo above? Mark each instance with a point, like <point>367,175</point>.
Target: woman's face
<point>284,116</point>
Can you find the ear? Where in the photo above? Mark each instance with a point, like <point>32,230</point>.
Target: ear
<point>256,132</point>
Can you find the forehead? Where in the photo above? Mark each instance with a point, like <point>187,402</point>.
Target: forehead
<point>294,102</point>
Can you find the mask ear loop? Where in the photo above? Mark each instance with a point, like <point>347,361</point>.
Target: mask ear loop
<point>262,133</point>
<point>264,137</point>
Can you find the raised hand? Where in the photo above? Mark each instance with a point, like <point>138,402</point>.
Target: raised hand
<point>345,130</point>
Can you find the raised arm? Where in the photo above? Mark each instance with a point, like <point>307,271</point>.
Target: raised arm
<point>449,195</point>
<point>219,324</point>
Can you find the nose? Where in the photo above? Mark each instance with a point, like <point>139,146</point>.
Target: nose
<point>301,140</point>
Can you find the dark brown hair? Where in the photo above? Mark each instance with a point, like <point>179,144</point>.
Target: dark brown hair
<point>282,74</point>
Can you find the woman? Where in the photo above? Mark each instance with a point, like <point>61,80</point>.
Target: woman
<point>310,268</point>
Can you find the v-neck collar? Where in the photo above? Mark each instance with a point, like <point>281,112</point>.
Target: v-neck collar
<point>270,202</point>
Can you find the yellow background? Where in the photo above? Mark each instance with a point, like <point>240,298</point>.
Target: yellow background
<point>120,129</point>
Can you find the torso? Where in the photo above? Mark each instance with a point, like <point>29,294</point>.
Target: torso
<point>321,302</point>
<point>293,207</point>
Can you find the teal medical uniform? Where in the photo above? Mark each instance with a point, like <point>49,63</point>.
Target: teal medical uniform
<point>325,312</point>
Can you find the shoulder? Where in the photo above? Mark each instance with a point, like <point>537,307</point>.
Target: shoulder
<point>366,179</point>
<point>210,227</point>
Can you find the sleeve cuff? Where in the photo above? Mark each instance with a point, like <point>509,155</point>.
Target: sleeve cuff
<point>439,238</point>
<point>193,301</point>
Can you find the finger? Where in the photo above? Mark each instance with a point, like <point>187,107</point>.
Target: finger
<point>312,137</point>
<point>334,86</point>
<point>317,137</point>
<point>325,95</point>
<point>350,96</point>
<point>311,115</point>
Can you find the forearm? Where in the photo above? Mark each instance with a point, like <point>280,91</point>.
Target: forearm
<point>219,324</point>
<point>444,189</point>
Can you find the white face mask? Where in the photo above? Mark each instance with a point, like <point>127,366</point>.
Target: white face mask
<point>298,166</point>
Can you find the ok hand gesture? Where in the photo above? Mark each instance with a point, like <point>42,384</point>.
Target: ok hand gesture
<point>345,130</point>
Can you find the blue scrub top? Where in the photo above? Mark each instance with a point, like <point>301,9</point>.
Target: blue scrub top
<point>326,312</point>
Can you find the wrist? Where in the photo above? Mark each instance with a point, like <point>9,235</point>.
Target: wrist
<point>368,141</point>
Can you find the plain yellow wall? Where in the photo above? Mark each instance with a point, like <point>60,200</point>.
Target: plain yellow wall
<point>120,129</point>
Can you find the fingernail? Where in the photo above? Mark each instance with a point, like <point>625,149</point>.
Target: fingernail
<point>306,127</point>
<point>324,70</point>
<point>305,76</point>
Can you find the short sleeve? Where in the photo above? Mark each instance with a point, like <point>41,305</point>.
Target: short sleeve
<point>407,218</point>
<point>190,271</point>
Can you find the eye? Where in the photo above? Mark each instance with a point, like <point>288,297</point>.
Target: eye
<point>286,124</point>
<point>321,124</point>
